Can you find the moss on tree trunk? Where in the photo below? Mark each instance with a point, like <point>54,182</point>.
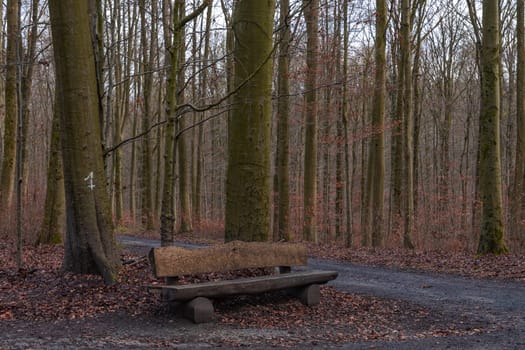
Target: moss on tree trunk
<point>248,175</point>
<point>90,244</point>
<point>492,229</point>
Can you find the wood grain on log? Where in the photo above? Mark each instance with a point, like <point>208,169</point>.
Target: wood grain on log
<point>176,261</point>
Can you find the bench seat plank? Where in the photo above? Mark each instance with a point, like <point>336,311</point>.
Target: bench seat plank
<point>253,285</point>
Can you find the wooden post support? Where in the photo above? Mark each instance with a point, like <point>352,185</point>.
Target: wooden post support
<point>309,295</point>
<point>199,310</point>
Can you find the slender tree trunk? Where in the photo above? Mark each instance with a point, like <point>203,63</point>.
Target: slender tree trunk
<point>53,225</point>
<point>248,186</point>
<point>26,82</point>
<point>311,15</point>
<point>417,108</point>
<point>7,178</point>
<point>376,164</point>
<point>282,211</point>
<point>406,101</point>
<point>113,106</point>
<point>147,66</point>
<point>346,127</point>
<point>396,159</point>
<point>517,203</point>
<point>182,141</point>
<point>167,216</point>
<point>492,228</point>
<point>197,194</point>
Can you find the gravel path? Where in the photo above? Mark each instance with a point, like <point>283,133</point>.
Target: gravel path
<point>500,303</point>
<point>489,304</point>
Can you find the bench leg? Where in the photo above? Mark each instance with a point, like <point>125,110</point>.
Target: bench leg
<point>199,310</point>
<point>308,295</point>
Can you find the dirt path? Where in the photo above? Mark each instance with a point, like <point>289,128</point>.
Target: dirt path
<point>496,304</point>
<point>500,304</point>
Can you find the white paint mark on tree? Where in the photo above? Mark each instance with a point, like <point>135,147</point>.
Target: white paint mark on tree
<point>90,179</point>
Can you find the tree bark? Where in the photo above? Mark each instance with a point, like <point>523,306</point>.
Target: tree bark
<point>90,245</point>
<point>492,229</point>
<point>248,186</point>
<point>373,228</point>
<point>408,125</point>
<point>146,168</point>
<point>182,141</point>
<point>517,203</point>
<point>311,15</point>
<point>282,210</point>
<point>7,178</point>
<point>53,225</point>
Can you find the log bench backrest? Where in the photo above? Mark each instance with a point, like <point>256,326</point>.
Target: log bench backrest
<point>175,261</point>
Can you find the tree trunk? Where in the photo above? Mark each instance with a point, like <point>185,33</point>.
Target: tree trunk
<point>167,215</point>
<point>53,225</point>
<point>147,64</point>
<point>197,193</point>
<point>248,186</point>
<point>311,15</point>
<point>346,128</point>
<point>492,228</point>
<point>282,210</point>
<point>172,42</point>
<point>406,101</point>
<point>7,178</point>
<point>90,244</point>
<point>182,141</point>
<point>376,163</point>
<point>26,82</point>
<point>518,201</point>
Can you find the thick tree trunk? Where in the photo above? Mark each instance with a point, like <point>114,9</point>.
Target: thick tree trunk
<point>492,229</point>
<point>248,186</point>
<point>90,244</point>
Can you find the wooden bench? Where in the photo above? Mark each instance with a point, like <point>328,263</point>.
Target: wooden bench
<point>174,262</point>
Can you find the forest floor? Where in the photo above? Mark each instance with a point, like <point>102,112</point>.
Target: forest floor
<point>382,299</point>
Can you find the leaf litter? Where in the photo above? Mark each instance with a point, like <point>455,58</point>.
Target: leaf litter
<point>42,293</point>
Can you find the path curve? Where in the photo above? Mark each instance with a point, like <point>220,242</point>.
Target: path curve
<point>495,302</point>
